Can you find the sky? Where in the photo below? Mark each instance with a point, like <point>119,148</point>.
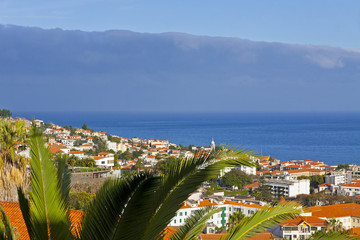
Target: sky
<point>322,22</point>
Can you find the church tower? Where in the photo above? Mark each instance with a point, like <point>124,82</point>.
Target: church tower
<point>212,145</point>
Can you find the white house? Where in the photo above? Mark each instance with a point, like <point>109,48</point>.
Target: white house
<point>77,154</point>
<point>299,228</point>
<point>348,214</point>
<point>351,189</point>
<point>104,159</point>
<point>85,147</point>
<point>219,219</point>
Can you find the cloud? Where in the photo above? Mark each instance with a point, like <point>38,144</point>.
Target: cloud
<point>326,61</point>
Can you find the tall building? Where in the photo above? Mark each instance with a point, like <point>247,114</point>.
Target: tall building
<point>288,186</point>
<point>212,145</point>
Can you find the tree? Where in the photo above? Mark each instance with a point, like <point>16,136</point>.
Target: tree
<point>100,145</point>
<point>136,154</point>
<point>119,210</point>
<point>235,178</point>
<point>126,155</point>
<point>263,193</point>
<point>343,166</point>
<point>164,166</point>
<point>13,171</point>
<point>80,201</point>
<point>139,164</point>
<point>5,113</point>
<point>85,127</point>
<point>235,219</point>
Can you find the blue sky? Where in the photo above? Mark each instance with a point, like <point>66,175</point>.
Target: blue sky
<point>322,22</point>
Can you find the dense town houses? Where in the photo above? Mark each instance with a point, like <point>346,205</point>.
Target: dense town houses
<point>287,179</point>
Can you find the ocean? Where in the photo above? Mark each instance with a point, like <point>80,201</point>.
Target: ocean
<point>330,137</point>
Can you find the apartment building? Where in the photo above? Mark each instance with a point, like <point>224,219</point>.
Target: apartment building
<point>288,186</point>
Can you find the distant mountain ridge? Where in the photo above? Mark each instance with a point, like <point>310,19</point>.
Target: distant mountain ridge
<point>206,72</point>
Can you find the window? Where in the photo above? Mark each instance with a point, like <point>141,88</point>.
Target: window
<point>185,213</point>
<point>180,220</point>
<point>175,221</point>
<point>180,214</point>
<point>102,162</point>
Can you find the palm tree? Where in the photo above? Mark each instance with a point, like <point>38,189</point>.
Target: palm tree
<point>235,218</point>
<point>139,206</point>
<point>335,225</point>
<point>13,170</point>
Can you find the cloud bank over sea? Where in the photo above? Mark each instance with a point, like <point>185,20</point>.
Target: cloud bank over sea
<point>127,71</point>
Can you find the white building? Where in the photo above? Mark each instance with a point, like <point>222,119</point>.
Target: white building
<point>219,219</point>
<point>299,228</point>
<point>245,169</point>
<point>288,186</point>
<point>351,189</point>
<point>77,154</point>
<point>348,214</point>
<point>68,142</point>
<point>337,178</point>
<point>104,159</point>
<point>85,147</point>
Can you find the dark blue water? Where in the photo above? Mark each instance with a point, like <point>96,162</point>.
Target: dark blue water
<point>330,137</point>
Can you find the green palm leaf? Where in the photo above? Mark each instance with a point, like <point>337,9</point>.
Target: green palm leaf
<point>332,235</point>
<point>102,217</point>
<point>64,179</point>
<point>185,178</point>
<point>264,219</point>
<point>47,208</point>
<point>194,224</point>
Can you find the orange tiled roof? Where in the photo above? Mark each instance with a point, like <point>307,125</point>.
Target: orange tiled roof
<point>312,221</point>
<point>262,236</point>
<point>337,210</point>
<point>76,152</point>
<point>215,236</point>
<point>356,231</point>
<point>253,185</point>
<point>352,184</point>
<point>13,212</point>
<point>54,149</point>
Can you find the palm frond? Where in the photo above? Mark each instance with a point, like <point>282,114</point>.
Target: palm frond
<point>333,235</point>
<point>6,229</point>
<point>264,219</point>
<point>184,178</point>
<point>131,226</point>
<point>104,213</point>
<point>64,179</point>
<point>194,224</point>
<point>47,210</point>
